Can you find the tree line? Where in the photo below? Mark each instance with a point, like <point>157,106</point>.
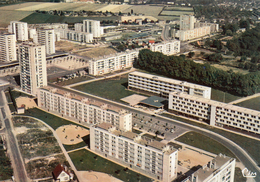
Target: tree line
<point>178,67</point>
<point>248,44</point>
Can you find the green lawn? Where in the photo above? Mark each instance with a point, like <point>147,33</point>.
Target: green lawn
<point>52,120</point>
<point>76,146</point>
<point>203,142</point>
<point>113,89</point>
<point>251,104</point>
<point>85,160</point>
<point>222,96</point>
<point>250,145</point>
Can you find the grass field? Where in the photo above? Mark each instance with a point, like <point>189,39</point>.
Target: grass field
<point>222,96</point>
<point>86,160</point>
<point>176,13</point>
<point>7,15</point>
<point>73,147</point>
<point>251,104</point>
<point>6,171</point>
<point>208,144</point>
<point>106,88</point>
<point>52,120</point>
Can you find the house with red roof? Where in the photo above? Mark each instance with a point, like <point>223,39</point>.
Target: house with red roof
<point>61,173</point>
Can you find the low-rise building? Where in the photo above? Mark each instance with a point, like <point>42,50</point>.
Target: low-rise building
<point>79,36</point>
<point>214,112</point>
<point>221,168</point>
<point>167,48</point>
<point>151,157</point>
<point>83,109</point>
<point>112,63</point>
<point>163,86</point>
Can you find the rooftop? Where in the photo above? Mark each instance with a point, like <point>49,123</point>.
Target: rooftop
<point>136,138</point>
<point>169,80</point>
<point>83,98</point>
<point>154,101</point>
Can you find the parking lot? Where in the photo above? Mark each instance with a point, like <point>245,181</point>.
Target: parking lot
<point>154,125</point>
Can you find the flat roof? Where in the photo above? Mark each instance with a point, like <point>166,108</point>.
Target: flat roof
<point>217,103</point>
<point>83,98</point>
<point>3,82</point>
<point>169,80</point>
<point>154,101</point>
<point>133,99</point>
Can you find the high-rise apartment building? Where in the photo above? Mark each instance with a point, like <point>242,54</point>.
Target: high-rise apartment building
<point>7,47</point>
<point>20,29</point>
<point>146,155</point>
<point>47,37</point>
<point>32,58</point>
<point>187,22</point>
<point>93,27</point>
<point>167,48</point>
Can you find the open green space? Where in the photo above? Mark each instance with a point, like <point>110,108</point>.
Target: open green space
<point>6,171</point>
<point>205,143</point>
<point>251,146</point>
<point>50,119</point>
<point>106,88</point>
<point>253,103</point>
<point>73,147</point>
<point>223,96</point>
<point>85,160</point>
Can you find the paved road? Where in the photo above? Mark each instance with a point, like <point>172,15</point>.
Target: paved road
<point>238,151</point>
<point>12,147</point>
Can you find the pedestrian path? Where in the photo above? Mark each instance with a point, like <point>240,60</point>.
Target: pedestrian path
<point>245,98</point>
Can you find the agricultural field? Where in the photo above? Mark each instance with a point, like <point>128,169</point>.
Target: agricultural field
<point>6,16</point>
<point>176,13</point>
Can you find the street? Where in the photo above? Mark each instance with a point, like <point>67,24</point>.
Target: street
<point>12,146</point>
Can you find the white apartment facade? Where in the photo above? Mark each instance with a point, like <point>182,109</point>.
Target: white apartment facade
<point>221,168</point>
<point>33,74</point>
<point>112,63</point>
<point>185,35</point>
<point>82,109</point>
<point>8,47</point>
<point>187,22</point>
<point>167,48</point>
<point>79,36</point>
<point>20,29</point>
<point>214,112</point>
<point>92,27</point>
<point>153,158</point>
<point>47,37</point>
<point>163,86</point>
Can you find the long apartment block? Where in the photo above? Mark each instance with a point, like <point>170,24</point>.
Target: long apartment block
<point>112,63</point>
<point>163,86</point>
<point>83,109</point>
<point>214,112</point>
<point>221,168</point>
<point>151,157</point>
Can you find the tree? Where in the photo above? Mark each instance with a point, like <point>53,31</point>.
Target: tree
<point>191,54</point>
